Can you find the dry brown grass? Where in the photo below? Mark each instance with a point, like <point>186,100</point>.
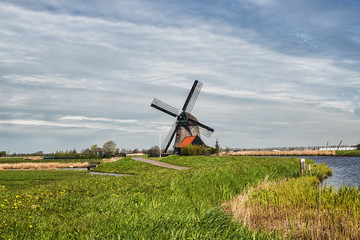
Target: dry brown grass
<point>282,153</point>
<point>114,159</point>
<point>54,165</point>
<point>34,158</point>
<point>289,221</point>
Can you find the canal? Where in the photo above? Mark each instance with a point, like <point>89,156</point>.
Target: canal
<point>346,170</point>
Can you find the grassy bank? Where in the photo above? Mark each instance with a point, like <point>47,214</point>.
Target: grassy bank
<point>300,209</point>
<point>154,203</point>
<point>347,153</point>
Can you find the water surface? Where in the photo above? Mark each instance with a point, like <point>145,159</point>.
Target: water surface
<point>346,170</point>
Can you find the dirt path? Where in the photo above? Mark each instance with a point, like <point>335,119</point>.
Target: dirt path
<point>160,164</point>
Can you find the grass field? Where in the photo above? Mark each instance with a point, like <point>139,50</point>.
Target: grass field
<point>347,152</point>
<point>153,203</point>
<point>25,180</point>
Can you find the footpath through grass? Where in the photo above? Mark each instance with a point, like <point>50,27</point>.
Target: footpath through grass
<point>154,203</point>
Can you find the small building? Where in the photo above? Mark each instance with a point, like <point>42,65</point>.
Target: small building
<point>194,140</point>
<point>98,152</point>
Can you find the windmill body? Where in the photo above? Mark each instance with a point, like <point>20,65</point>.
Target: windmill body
<point>186,125</point>
<point>186,129</point>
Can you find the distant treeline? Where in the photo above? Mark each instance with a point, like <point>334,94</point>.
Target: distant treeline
<point>70,154</point>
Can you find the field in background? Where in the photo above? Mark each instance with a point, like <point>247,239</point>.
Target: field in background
<point>282,153</point>
<point>295,153</point>
<point>348,153</point>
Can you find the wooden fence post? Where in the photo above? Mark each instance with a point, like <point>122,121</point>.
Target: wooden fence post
<point>302,166</point>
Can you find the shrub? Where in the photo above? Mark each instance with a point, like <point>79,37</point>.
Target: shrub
<point>192,150</point>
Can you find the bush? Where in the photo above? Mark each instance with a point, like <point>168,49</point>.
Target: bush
<point>192,150</point>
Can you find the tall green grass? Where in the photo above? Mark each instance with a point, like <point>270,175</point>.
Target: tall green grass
<point>154,203</point>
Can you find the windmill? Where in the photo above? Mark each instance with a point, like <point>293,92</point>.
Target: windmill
<point>186,124</point>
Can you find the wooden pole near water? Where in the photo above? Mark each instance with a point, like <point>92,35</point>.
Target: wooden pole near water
<point>302,166</point>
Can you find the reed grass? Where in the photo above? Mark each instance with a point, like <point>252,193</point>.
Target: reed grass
<point>300,209</point>
<point>53,165</point>
<point>37,160</point>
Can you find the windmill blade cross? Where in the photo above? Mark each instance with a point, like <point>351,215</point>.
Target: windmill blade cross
<point>193,95</point>
<point>164,107</point>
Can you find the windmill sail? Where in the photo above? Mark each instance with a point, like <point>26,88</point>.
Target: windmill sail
<point>164,107</point>
<point>169,137</point>
<point>193,95</point>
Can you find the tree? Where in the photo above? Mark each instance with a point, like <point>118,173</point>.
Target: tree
<point>135,150</point>
<point>93,148</point>
<point>3,154</point>
<point>109,148</point>
<point>217,147</point>
<point>154,151</point>
<point>117,152</point>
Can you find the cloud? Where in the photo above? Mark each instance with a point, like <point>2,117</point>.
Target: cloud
<point>82,118</point>
<point>94,68</point>
<point>264,2</point>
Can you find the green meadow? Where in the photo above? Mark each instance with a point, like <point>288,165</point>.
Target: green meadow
<point>151,203</point>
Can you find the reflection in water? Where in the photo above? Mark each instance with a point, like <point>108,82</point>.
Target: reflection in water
<point>345,170</point>
<point>110,174</point>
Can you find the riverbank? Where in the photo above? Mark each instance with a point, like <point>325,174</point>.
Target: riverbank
<point>299,209</point>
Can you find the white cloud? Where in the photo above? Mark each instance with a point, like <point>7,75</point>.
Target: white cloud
<point>100,72</point>
<point>264,2</point>
<point>83,118</point>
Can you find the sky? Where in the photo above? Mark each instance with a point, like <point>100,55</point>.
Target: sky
<point>275,73</point>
